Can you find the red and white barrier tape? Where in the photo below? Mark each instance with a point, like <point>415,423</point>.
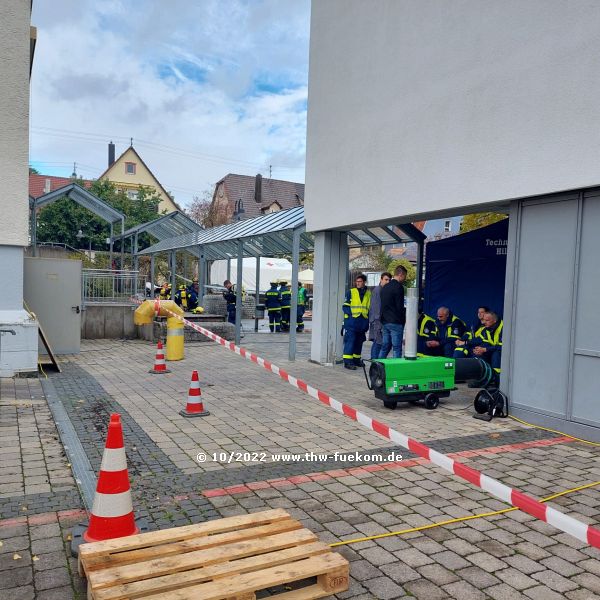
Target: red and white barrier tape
<point>581,531</point>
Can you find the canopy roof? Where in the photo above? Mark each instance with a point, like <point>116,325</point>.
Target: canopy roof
<point>168,226</point>
<point>272,235</point>
<point>84,198</point>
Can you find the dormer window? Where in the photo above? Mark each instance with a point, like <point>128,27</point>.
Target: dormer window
<point>130,168</point>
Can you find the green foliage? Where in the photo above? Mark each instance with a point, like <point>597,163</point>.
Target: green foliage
<point>33,171</point>
<point>411,274</point>
<point>60,221</point>
<point>478,220</point>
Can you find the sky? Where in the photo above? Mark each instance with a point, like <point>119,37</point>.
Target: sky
<point>204,88</point>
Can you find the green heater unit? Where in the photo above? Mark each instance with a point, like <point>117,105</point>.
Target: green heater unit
<point>427,378</point>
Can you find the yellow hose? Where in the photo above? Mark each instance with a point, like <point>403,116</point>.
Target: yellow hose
<point>555,431</point>
<point>459,519</point>
<point>144,315</point>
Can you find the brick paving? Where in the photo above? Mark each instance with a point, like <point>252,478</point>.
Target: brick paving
<point>504,556</point>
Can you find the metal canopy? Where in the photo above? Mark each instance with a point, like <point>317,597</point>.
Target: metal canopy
<point>272,235</point>
<point>167,226</point>
<point>84,198</point>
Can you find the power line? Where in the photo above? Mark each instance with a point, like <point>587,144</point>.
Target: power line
<point>101,138</point>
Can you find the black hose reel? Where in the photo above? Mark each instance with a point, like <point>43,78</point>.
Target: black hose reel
<point>490,402</point>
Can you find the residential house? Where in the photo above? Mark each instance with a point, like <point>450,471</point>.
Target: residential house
<point>239,197</point>
<point>129,172</point>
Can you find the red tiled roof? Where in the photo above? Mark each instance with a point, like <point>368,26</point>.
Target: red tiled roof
<point>37,184</point>
<point>286,193</point>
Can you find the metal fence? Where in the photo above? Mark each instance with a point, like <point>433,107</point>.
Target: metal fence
<point>106,285</point>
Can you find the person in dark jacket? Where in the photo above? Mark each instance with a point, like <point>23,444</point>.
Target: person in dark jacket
<point>426,332</point>
<point>393,313</point>
<point>286,303</point>
<point>231,299</point>
<point>273,304</point>
<point>375,326</point>
<point>450,330</point>
<point>356,321</point>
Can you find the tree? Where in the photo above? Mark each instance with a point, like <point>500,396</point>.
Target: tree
<point>411,271</point>
<point>206,212</point>
<point>33,171</point>
<point>478,220</point>
<point>60,221</point>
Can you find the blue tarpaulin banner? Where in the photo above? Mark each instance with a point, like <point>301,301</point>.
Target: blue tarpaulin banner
<point>467,271</point>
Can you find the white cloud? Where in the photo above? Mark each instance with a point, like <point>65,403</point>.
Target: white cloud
<point>215,79</point>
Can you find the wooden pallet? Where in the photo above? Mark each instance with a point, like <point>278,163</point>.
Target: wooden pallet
<point>225,559</point>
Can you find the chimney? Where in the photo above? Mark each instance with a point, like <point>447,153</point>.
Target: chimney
<point>111,154</point>
<point>47,185</point>
<point>258,189</point>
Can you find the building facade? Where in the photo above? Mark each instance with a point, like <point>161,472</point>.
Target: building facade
<point>129,172</point>
<point>18,331</point>
<point>439,109</point>
<point>240,197</point>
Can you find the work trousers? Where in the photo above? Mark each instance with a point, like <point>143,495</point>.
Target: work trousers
<point>274,320</point>
<point>353,341</point>
<point>231,313</point>
<point>285,318</point>
<point>300,318</point>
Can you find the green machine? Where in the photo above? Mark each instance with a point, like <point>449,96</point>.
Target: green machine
<point>427,378</point>
<point>430,378</point>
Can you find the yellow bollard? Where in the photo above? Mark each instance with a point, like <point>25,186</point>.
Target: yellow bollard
<point>175,335</point>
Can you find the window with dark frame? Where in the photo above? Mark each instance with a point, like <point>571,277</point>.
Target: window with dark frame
<point>130,168</point>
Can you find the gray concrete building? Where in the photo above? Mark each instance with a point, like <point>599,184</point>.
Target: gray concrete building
<point>421,109</point>
<point>18,331</point>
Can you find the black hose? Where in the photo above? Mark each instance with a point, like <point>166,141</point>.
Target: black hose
<point>474,370</point>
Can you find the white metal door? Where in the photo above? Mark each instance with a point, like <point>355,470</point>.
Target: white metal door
<point>52,290</point>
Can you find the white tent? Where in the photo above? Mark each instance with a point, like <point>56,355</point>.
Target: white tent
<point>306,276</point>
<point>271,269</point>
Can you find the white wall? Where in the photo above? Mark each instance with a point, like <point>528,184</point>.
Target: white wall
<point>18,351</point>
<point>14,125</point>
<point>418,106</point>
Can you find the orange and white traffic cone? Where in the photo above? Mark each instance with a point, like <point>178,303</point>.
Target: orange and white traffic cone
<point>195,406</point>
<point>160,366</point>
<point>112,512</point>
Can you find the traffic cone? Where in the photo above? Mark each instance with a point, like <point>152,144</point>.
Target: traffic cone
<point>195,406</point>
<point>112,512</point>
<point>160,366</point>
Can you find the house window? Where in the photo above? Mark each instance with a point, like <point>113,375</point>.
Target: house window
<point>447,226</point>
<point>132,194</point>
<point>130,168</point>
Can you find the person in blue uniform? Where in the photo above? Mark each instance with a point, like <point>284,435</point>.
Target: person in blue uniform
<point>273,305</point>
<point>488,343</point>
<point>230,298</point>
<point>356,321</point>
<point>286,302</point>
<point>427,331</point>
<point>450,330</point>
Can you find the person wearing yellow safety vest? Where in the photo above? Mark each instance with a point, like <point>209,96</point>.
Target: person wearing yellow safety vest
<point>427,331</point>
<point>165,291</point>
<point>181,298</point>
<point>450,330</point>
<point>356,322</point>
<point>487,344</point>
<point>301,308</point>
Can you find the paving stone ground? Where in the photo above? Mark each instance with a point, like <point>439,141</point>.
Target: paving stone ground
<point>511,555</point>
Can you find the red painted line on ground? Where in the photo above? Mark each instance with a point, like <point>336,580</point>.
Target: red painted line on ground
<point>365,469</point>
<point>44,518</point>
